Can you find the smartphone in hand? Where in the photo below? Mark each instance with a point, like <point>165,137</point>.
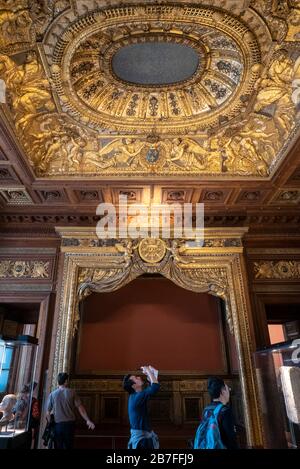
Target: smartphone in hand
<point>154,371</point>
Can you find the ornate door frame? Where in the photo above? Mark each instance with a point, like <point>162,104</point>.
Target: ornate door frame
<point>217,268</point>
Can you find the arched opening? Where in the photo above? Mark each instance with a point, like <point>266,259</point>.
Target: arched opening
<point>152,320</point>
<point>217,269</point>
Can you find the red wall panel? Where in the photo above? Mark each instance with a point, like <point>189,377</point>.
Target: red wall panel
<point>151,321</point>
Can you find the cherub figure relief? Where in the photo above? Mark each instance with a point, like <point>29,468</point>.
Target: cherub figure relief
<point>176,248</point>
<point>190,154</point>
<point>118,153</point>
<point>127,249</point>
<point>28,87</point>
<point>277,88</point>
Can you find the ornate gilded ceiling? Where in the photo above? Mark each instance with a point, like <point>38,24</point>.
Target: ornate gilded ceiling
<point>90,90</point>
<point>80,105</point>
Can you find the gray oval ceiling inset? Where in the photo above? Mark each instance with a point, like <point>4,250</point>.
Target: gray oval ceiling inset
<point>155,63</point>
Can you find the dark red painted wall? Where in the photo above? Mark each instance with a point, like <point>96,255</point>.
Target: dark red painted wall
<point>151,321</point>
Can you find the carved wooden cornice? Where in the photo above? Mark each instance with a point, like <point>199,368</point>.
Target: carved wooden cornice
<point>43,224</point>
<point>285,269</point>
<point>24,269</point>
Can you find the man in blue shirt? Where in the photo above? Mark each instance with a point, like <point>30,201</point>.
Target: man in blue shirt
<point>141,434</point>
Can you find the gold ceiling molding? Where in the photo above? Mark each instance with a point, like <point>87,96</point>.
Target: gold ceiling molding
<point>16,26</point>
<point>81,69</point>
<point>282,17</point>
<point>236,116</point>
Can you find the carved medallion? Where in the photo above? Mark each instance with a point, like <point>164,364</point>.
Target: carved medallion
<point>152,250</point>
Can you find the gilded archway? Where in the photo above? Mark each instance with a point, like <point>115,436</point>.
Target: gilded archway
<point>216,268</point>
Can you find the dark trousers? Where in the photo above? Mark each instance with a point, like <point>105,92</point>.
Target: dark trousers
<point>64,435</point>
<point>145,443</point>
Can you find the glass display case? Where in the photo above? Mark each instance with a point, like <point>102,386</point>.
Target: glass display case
<point>278,375</point>
<point>17,371</point>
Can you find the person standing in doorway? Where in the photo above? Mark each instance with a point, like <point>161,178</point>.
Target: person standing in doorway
<point>141,434</point>
<point>34,419</point>
<point>62,404</point>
